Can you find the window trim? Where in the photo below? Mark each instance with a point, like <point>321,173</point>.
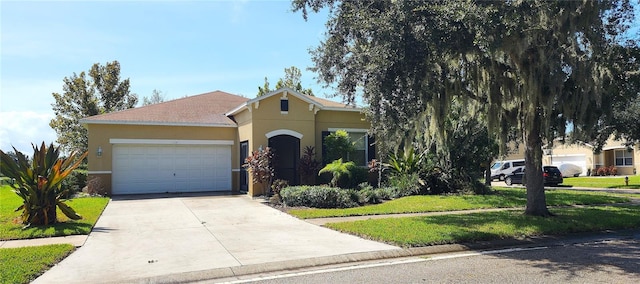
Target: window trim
<point>625,155</point>
<point>284,106</point>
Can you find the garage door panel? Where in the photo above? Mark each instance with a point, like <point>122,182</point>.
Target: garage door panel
<point>171,168</point>
<point>578,160</point>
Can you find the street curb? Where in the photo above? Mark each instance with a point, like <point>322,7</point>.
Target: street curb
<point>243,270</point>
<point>288,265</point>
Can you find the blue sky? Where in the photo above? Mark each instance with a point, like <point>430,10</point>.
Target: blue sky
<point>178,48</point>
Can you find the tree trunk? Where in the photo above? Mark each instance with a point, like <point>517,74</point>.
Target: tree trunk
<point>536,201</point>
<point>487,174</point>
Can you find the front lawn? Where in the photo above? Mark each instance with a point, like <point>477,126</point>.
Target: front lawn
<point>10,227</point>
<point>445,229</point>
<point>504,198</point>
<point>22,265</point>
<point>603,182</point>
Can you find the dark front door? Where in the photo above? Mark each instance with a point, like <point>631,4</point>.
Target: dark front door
<point>244,178</point>
<point>287,155</point>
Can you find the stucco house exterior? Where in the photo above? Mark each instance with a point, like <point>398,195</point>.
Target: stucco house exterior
<point>614,154</point>
<point>199,143</point>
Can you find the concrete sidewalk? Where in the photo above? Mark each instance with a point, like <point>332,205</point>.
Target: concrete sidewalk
<point>76,240</point>
<point>146,240</point>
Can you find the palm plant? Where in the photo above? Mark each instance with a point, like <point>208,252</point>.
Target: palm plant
<point>338,169</point>
<point>406,163</point>
<point>38,182</point>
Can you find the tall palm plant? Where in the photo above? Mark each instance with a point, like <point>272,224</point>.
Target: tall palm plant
<point>338,169</point>
<point>38,182</point>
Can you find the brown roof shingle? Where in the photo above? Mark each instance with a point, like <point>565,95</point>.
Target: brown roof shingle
<point>205,109</point>
<point>328,103</point>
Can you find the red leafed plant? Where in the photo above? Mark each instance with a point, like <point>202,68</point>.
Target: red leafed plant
<point>260,167</point>
<point>308,166</point>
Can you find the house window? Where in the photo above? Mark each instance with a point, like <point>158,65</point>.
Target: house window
<point>284,105</point>
<point>360,144</point>
<point>363,144</point>
<point>623,158</point>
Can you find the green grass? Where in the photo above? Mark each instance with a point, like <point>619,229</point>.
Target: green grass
<point>433,230</point>
<point>504,198</point>
<point>22,265</point>
<point>603,182</point>
<point>10,227</point>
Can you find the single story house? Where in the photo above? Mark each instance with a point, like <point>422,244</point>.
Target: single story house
<point>199,143</point>
<point>614,154</point>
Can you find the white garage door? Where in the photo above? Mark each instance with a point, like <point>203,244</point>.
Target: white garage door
<point>578,160</point>
<point>143,168</point>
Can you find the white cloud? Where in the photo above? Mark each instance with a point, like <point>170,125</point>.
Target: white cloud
<point>28,94</point>
<point>21,128</point>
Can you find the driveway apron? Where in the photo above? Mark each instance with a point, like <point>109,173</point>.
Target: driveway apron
<point>141,238</point>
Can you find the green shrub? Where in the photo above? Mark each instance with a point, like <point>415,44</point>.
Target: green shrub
<point>278,185</point>
<point>75,182</point>
<point>369,196</point>
<point>385,193</point>
<point>437,182</point>
<point>319,197</point>
<point>405,184</point>
<point>358,176</point>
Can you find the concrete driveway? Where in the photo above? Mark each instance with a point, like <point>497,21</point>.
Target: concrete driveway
<point>142,240</point>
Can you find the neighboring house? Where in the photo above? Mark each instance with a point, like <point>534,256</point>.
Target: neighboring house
<point>199,143</point>
<point>614,153</point>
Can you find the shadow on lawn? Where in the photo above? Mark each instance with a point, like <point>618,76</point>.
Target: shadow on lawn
<point>55,230</point>
<point>517,197</point>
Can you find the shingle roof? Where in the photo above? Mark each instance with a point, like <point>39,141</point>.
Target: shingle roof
<point>321,103</point>
<point>328,103</point>
<point>200,110</point>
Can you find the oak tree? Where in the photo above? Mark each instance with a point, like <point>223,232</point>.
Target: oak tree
<point>533,66</point>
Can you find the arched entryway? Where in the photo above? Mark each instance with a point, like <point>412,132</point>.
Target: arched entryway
<point>287,155</point>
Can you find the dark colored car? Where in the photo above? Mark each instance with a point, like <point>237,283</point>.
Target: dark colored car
<point>550,174</point>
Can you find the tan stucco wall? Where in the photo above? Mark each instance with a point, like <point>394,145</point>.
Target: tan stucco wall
<point>266,117</point>
<point>302,117</point>
<point>100,134</point>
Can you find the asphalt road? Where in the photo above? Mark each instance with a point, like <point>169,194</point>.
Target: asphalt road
<point>608,260</point>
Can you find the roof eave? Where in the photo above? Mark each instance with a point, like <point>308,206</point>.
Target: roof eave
<point>238,109</point>
<point>153,123</point>
<point>355,109</point>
